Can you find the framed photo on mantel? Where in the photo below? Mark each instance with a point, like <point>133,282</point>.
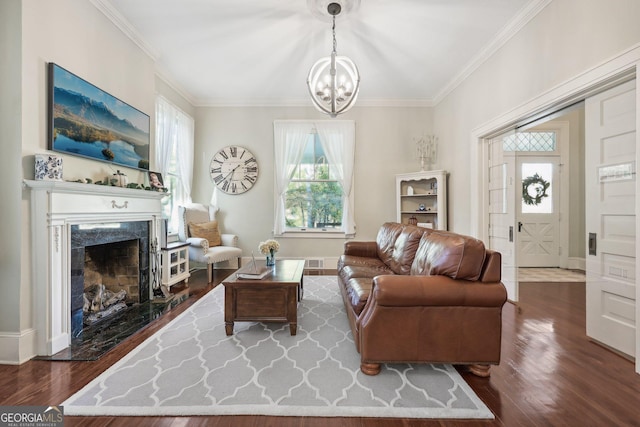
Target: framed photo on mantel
<point>155,181</point>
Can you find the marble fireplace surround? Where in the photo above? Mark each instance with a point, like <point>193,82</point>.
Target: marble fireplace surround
<point>56,206</point>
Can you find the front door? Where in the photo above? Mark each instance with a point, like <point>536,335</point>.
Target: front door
<point>538,210</point>
<point>610,184</point>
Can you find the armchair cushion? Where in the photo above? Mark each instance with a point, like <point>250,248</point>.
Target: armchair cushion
<point>206,230</point>
<point>193,213</point>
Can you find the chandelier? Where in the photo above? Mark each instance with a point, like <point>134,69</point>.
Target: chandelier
<point>333,81</point>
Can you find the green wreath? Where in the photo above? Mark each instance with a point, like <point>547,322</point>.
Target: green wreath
<point>534,189</point>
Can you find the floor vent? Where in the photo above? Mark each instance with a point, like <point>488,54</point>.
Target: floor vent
<point>315,263</point>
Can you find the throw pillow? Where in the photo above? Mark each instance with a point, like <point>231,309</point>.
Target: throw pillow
<point>206,230</point>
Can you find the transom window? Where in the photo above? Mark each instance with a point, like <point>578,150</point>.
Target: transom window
<point>530,141</point>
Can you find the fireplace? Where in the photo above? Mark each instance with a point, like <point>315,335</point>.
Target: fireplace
<point>107,260</point>
<point>67,221</point>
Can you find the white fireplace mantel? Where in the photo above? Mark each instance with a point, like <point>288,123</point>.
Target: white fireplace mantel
<point>55,207</point>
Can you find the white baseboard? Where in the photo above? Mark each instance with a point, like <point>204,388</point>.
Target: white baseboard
<point>17,348</point>
<point>577,264</point>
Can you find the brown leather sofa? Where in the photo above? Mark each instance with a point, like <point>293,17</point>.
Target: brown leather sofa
<point>422,295</point>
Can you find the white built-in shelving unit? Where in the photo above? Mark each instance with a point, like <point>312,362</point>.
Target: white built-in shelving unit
<point>423,196</point>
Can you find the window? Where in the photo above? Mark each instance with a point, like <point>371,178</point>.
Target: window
<point>537,188</point>
<point>314,177</point>
<point>174,157</point>
<point>530,141</point>
<point>314,196</point>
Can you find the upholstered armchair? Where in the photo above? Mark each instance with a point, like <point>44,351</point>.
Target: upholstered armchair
<point>199,228</point>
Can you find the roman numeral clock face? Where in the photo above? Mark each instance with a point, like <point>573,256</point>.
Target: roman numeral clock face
<point>234,169</point>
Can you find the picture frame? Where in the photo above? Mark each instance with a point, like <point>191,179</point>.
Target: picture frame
<point>86,121</point>
<point>156,183</point>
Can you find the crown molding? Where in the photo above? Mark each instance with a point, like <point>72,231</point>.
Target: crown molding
<point>306,102</point>
<point>125,26</point>
<point>129,30</point>
<point>173,84</point>
<point>507,33</point>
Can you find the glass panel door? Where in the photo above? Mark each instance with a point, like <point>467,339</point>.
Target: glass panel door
<point>538,211</point>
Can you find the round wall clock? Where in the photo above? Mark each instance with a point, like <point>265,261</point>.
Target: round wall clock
<point>234,169</point>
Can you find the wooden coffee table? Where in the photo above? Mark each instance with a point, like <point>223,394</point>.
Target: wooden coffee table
<point>273,298</point>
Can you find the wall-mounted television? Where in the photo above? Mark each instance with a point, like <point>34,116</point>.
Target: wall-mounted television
<point>86,121</point>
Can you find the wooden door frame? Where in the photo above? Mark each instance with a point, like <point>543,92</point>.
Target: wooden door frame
<point>613,72</point>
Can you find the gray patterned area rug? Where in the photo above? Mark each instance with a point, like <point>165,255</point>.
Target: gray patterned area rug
<point>191,367</point>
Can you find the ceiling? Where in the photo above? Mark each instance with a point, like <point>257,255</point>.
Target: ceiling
<point>259,52</point>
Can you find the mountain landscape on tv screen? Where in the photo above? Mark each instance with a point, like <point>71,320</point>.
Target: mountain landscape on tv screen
<point>84,120</point>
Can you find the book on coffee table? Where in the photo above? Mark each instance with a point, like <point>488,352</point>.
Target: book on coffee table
<point>259,274</point>
<point>254,272</point>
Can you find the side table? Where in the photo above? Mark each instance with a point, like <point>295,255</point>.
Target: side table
<point>175,266</point>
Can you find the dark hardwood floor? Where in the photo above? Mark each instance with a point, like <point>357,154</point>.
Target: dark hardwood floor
<point>550,373</point>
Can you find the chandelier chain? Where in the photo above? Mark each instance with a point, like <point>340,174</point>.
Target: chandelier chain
<point>335,43</point>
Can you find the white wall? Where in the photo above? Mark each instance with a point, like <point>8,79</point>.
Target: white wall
<point>562,41</point>
<point>75,35</point>
<point>10,176</point>
<point>384,147</point>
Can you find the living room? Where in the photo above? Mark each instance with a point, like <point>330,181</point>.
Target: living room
<point>562,47</point>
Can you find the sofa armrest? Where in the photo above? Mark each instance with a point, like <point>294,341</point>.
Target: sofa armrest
<point>411,291</point>
<point>363,249</point>
<point>229,240</point>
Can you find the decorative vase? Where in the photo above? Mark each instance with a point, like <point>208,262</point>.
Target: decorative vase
<point>119,179</point>
<point>271,258</point>
<point>48,167</point>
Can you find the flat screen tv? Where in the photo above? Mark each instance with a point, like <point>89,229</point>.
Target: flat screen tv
<point>86,121</point>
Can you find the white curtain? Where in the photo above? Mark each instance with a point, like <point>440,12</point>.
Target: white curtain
<point>338,142</point>
<point>289,141</point>
<point>175,131</point>
<point>166,131</point>
<point>184,153</point>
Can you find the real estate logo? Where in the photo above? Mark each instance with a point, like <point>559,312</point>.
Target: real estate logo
<point>31,416</point>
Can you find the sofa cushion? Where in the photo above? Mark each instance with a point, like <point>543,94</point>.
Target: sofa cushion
<point>358,291</point>
<point>360,261</point>
<point>386,240</point>
<point>368,271</point>
<point>397,245</point>
<point>404,249</point>
<point>449,254</point>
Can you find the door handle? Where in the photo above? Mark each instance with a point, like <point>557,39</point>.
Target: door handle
<point>511,233</point>
<point>592,243</point>
<point>519,226</point>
